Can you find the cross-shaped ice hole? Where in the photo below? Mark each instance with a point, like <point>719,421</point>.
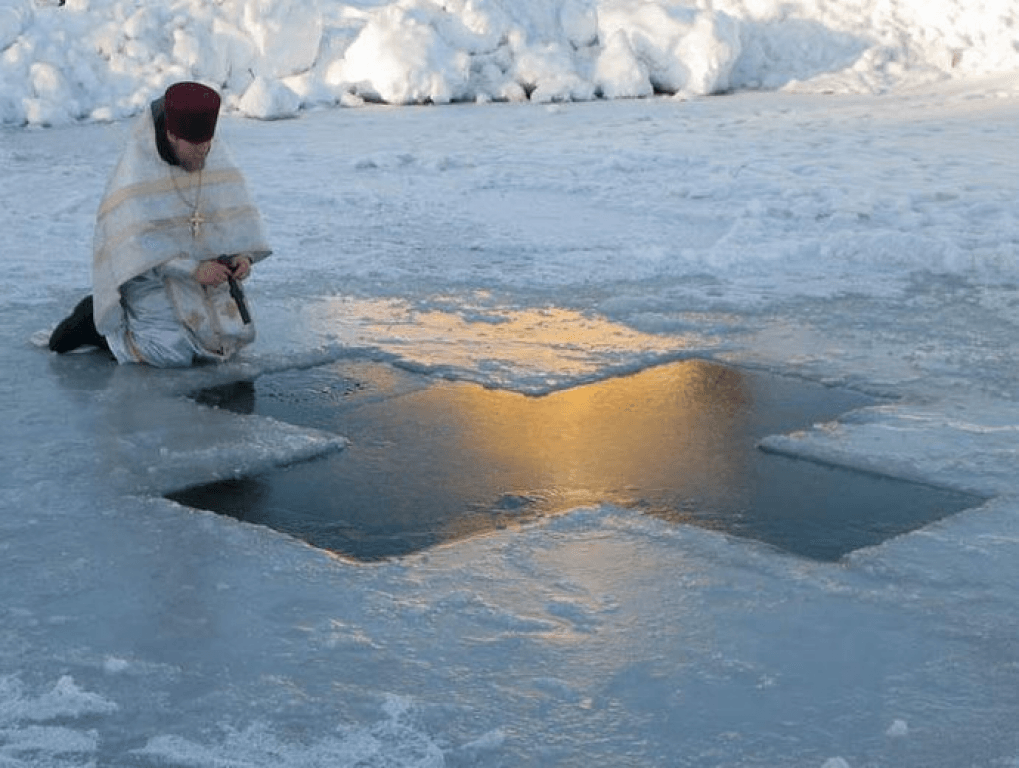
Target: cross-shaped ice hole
<point>434,461</point>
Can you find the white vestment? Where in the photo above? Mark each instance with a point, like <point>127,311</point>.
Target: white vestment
<point>155,224</point>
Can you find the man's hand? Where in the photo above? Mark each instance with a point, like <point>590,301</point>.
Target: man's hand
<point>242,267</point>
<point>212,272</point>
<point>218,271</point>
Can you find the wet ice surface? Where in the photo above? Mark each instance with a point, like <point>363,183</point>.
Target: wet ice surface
<point>432,462</point>
<point>866,242</point>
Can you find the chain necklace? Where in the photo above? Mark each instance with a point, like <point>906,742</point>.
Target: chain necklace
<point>195,219</point>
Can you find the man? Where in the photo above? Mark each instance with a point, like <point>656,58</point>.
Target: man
<point>175,232</point>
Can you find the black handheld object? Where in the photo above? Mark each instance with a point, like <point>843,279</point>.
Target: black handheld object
<point>235,290</point>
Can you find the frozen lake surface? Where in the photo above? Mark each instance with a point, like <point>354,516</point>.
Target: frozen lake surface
<point>861,241</point>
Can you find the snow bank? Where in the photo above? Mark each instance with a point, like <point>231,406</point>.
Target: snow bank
<point>391,742</point>
<point>39,729</point>
<point>104,59</point>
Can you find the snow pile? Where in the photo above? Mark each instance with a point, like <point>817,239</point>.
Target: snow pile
<point>34,729</point>
<point>104,59</point>
<point>65,700</point>
<point>391,742</point>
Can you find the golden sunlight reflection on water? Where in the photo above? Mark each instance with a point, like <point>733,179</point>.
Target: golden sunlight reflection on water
<point>435,460</point>
<point>629,440</point>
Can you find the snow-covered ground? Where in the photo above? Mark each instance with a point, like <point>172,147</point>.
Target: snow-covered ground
<point>866,238</point>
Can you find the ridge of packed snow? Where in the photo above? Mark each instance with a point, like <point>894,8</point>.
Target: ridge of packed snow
<point>100,60</point>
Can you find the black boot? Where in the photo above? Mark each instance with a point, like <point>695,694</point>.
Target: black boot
<point>77,330</point>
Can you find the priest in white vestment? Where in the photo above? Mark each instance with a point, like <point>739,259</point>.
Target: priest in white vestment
<point>175,234</point>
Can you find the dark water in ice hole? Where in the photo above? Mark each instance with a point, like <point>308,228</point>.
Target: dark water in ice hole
<point>433,461</point>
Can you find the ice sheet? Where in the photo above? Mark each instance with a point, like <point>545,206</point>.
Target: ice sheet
<point>868,241</point>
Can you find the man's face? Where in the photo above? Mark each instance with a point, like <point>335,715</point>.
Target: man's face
<point>190,156</point>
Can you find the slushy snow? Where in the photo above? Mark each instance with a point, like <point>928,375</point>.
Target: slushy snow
<point>816,188</point>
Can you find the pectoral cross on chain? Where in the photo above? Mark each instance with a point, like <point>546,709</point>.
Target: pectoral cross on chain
<point>196,220</point>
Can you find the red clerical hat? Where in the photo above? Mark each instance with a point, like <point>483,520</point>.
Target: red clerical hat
<point>191,111</point>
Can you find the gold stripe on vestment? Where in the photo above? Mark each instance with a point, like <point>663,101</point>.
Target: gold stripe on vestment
<point>222,215</point>
<point>166,185</point>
